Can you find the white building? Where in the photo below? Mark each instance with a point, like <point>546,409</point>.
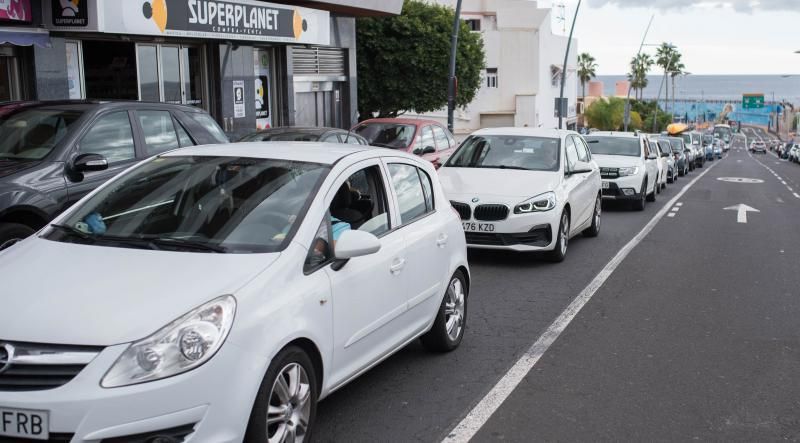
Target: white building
<point>523,65</point>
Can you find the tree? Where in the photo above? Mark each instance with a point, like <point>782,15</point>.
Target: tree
<point>640,67</point>
<point>665,55</point>
<point>636,121</point>
<point>587,70</point>
<point>403,61</point>
<point>606,114</point>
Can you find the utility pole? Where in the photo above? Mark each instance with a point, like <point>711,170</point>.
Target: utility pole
<point>564,68</point>
<point>451,79</point>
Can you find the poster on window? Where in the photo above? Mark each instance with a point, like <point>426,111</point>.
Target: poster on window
<point>15,10</point>
<point>74,71</point>
<point>238,99</point>
<point>262,88</point>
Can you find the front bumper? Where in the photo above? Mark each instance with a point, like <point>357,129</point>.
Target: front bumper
<point>518,232</point>
<point>199,402</point>
<point>623,188</point>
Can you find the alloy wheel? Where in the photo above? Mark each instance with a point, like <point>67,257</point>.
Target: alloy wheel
<point>454,309</point>
<point>289,408</point>
<point>564,233</point>
<point>598,209</point>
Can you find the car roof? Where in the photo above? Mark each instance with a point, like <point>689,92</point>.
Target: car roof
<point>530,132</point>
<point>312,152</point>
<point>91,104</point>
<point>615,134</point>
<point>300,129</point>
<point>403,121</point>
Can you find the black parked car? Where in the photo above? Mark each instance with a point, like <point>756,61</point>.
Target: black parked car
<point>298,134</point>
<point>54,153</point>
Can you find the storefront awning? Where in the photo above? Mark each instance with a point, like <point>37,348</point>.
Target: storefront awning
<point>25,37</point>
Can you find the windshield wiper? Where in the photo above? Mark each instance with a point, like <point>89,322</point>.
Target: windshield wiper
<point>188,244</point>
<point>520,168</point>
<point>71,231</point>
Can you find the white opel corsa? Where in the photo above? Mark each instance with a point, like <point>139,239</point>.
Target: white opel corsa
<point>524,189</point>
<point>215,293</point>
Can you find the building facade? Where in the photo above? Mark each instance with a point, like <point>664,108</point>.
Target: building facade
<point>524,58</point>
<point>251,64</point>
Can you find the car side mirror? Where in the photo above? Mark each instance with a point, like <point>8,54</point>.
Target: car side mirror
<point>428,150</point>
<point>352,244</point>
<point>89,162</point>
<point>665,154</point>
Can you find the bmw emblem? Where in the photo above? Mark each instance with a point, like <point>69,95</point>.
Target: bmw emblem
<point>476,200</point>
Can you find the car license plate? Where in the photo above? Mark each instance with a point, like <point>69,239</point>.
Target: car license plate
<point>478,227</point>
<point>24,423</point>
<point>606,185</point>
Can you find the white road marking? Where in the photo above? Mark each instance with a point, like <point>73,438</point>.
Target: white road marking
<point>675,209</point>
<point>796,195</point>
<point>671,214</point>
<point>742,210</point>
<point>679,204</point>
<point>779,200</point>
<point>739,180</point>
<point>486,407</point>
<point>783,182</point>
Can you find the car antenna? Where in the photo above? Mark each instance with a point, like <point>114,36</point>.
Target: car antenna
<point>348,135</point>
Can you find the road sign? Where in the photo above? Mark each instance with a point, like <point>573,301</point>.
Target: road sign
<point>752,101</point>
<point>741,212</point>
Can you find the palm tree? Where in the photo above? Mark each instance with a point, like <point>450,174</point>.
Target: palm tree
<point>640,66</point>
<point>587,69</point>
<point>664,59</point>
<point>676,68</point>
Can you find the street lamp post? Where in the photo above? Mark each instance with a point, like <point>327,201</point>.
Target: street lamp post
<point>451,79</point>
<point>564,68</point>
<point>658,97</point>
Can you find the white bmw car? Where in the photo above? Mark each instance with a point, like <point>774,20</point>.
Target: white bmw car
<point>215,293</point>
<point>524,189</point>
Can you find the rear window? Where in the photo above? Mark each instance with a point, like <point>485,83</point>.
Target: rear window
<point>210,125</point>
<point>628,146</point>
<point>387,135</point>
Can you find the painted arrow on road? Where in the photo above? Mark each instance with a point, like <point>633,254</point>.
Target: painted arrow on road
<point>742,209</point>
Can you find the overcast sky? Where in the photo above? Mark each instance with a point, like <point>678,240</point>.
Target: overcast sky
<point>715,37</point>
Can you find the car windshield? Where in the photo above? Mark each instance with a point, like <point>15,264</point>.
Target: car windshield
<point>387,135</point>
<point>677,146</point>
<point>267,136</point>
<point>198,203</point>
<point>31,134</point>
<point>508,152</point>
<point>614,146</point>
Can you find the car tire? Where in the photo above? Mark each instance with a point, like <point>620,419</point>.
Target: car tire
<point>11,233</point>
<point>558,253</point>
<point>594,229</point>
<point>452,314</point>
<point>651,197</point>
<point>639,204</point>
<point>293,365</point>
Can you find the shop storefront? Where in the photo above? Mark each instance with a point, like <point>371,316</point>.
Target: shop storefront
<point>251,64</point>
<point>19,32</point>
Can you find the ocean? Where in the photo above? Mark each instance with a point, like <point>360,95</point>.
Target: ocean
<point>718,87</point>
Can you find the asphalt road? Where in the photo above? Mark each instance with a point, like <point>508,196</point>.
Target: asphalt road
<point>419,396</point>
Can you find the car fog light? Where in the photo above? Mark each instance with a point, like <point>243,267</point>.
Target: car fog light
<point>148,359</point>
<point>628,191</point>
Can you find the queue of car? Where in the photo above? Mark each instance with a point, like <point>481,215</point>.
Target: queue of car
<point>322,258</point>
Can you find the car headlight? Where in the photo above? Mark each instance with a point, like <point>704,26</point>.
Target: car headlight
<point>540,203</point>
<point>180,346</point>
<point>624,172</point>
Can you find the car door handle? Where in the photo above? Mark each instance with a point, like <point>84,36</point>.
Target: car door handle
<point>441,241</point>
<point>397,266</point>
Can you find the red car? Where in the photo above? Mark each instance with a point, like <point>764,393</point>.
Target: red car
<point>426,138</point>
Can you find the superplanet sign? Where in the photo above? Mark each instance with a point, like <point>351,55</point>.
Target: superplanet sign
<point>232,15</point>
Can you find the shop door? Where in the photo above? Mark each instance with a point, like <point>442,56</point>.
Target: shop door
<point>320,108</point>
<point>9,79</point>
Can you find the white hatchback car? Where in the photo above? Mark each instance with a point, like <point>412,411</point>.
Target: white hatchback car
<point>628,165</point>
<point>524,189</point>
<point>216,293</point>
